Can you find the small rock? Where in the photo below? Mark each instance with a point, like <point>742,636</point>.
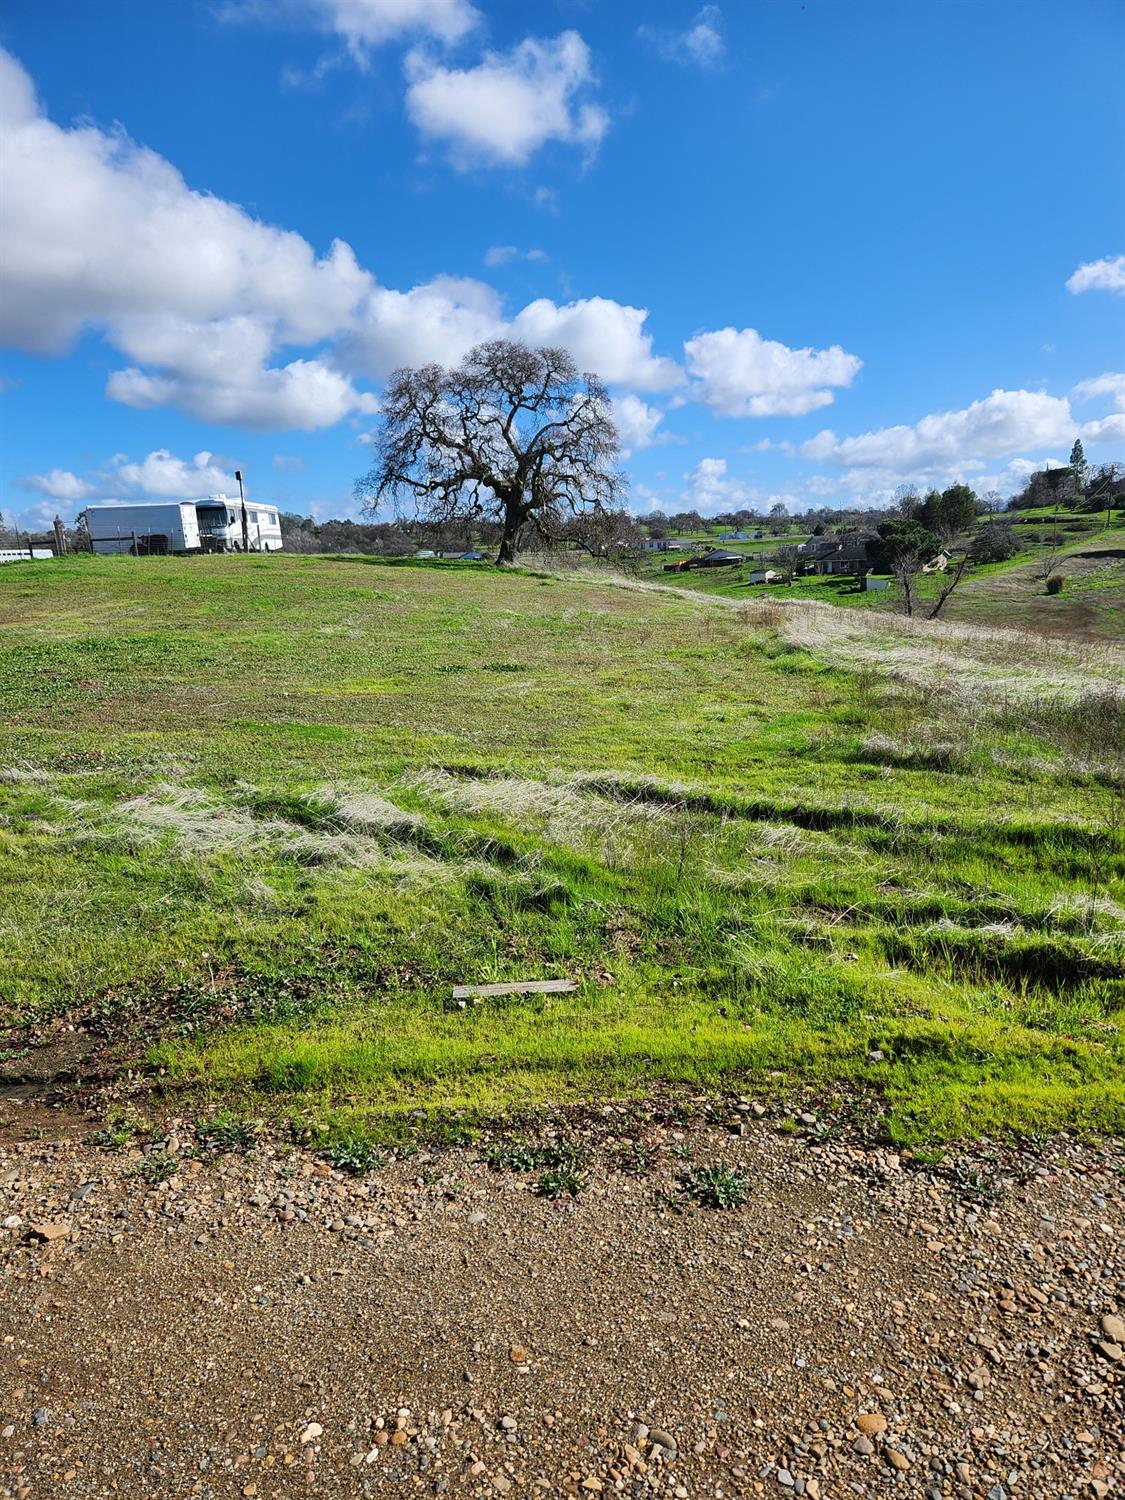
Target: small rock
<point>863,1445</point>
<point>662,1439</point>
<point>1112,1352</point>
<point>40,1416</point>
<point>1113,1327</point>
<point>897,1460</point>
<point>55,1229</point>
<point>871,1423</point>
<point>311,1433</point>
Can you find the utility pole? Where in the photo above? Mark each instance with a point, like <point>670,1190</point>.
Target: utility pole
<point>242,501</point>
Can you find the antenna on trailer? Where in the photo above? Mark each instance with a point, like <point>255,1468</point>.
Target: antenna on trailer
<point>242,501</point>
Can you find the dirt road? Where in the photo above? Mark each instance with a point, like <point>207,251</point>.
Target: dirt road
<point>260,1325</point>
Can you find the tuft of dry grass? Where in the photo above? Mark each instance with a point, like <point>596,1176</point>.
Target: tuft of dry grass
<point>24,775</point>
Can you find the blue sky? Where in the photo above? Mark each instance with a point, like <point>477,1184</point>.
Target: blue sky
<point>817,249</point>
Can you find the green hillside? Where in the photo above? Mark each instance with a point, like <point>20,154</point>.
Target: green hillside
<point>258,816</point>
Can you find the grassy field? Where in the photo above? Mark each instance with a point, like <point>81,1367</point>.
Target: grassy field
<point>258,816</point>
<point>1011,594</point>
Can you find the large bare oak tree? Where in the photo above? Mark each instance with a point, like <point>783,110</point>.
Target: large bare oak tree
<point>512,435</point>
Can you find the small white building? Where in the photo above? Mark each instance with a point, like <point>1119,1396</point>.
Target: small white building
<point>664,544</point>
<point>25,554</point>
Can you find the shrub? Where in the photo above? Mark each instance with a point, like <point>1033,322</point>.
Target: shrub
<point>994,542</point>
<point>1055,583</point>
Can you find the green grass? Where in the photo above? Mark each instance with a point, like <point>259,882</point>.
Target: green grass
<point>257,817</point>
<point>1010,593</point>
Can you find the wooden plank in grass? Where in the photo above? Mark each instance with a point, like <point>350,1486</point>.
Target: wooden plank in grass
<point>524,987</point>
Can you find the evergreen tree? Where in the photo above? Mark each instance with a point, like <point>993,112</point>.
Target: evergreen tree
<point>1079,468</point>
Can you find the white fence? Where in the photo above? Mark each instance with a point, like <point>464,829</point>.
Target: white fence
<point>12,554</point>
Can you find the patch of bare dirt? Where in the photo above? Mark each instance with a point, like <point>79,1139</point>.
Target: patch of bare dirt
<point>261,1325</point>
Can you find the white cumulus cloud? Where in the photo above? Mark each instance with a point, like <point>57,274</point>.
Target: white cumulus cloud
<point>1001,423</point>
<point>303,395</point>
<point>709,488</point>
<point>1106,275</point>
<point>1104,429</point>
<point>510,104</point>
<point>163,475</point>
<point>185,283</point>
<point>605,336</point>
<point>228,318</point>
<point>701,43</point>
<point>740,374</point>
<point>436,322</point>
<point>1111,384</point>
<point>636,421</point>
<point>364,24</point>
<point>59,484</point>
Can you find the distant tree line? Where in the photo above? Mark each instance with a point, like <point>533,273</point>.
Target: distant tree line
<point>381,538</point>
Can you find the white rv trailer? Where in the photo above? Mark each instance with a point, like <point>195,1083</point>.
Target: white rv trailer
<point>220,525</point>
<point>211,525</point>
<point>149,527</point>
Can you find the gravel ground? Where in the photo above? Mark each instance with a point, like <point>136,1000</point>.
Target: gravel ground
<point>262,1325</point>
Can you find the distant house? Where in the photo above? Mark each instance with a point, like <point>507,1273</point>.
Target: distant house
<point>765,575</point>
<point>848,560</point>
<point>819,546</point>
<point>716,559</point>
<point>845,553</point>
<point>663,544</point>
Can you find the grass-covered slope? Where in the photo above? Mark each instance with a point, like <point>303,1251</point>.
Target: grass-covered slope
<point>258,816</point>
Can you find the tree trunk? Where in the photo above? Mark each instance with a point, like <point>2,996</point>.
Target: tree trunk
<point>514,517</point>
